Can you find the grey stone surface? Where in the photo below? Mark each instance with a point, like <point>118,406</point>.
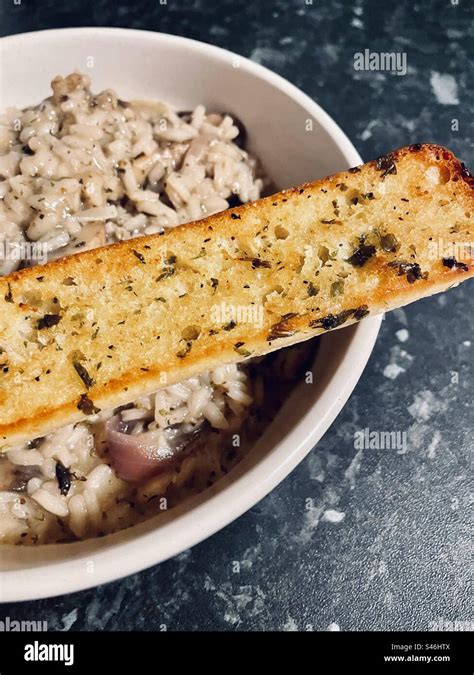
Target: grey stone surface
<point>372,539</point>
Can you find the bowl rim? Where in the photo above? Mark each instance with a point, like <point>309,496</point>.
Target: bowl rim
<point>331,127</point>
<point>218,511</point>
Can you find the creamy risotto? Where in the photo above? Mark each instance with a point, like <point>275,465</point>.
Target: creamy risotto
<point>80,171</point>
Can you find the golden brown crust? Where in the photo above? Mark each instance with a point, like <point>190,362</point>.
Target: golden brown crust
<point>104,326</point>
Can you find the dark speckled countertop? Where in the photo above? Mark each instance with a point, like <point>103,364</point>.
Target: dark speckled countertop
<point>352,539</point>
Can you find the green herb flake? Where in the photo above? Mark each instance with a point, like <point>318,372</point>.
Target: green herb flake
<point>166,274</point>
<point>411,270</point>
<point>361,254</point>
<point>256,262</point>
<point>361,312</point>
<point>312,289</point>
<point>48,320</point>
<point>451,263</point>
<point>238,348</point>
<point>337,288</point>
<point>83,374</point>
<point>64,478</point>
<point>389,243</point>
<point>184,352</point>
<point>281,328</point>
<point>86,406</point>
<point>386,164</point>
<point>9,296</point>
<point>332,320</point>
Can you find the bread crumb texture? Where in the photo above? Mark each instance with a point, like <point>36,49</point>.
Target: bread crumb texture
<point>96,329</point>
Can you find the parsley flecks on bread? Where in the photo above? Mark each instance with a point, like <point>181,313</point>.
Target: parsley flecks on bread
<point>136,316</point>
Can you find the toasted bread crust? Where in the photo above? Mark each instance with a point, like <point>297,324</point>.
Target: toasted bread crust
<point>97,329</point>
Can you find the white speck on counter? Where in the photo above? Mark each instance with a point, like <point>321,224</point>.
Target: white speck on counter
<point>467,343</point>
<point>431,453</point>
<point>442,300</point>
<point>409,124</point>
<point>241,602</point>
<point>444,88</point>
<point>209,584</point>
<point>453,34</point>
<point>333,627</point>
<point>250,556</point>
<point>69,619</point>
<point>367,133</point>
<point>316,468</point>
<point>311,522</point>
<point>353,469</point>
<point>332,516</point>
<point>267,55</point>
<point>392,371</point>
<point>290,626</point>
<point>401,315</point>
<point>185,555</point>
<point>332,52</point>
<point>99,615</point>
<point>402,334</point>
<point>425,405</point>
<point>357,23</point>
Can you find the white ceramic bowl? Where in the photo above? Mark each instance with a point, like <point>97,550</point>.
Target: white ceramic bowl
<point>297,141</point>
